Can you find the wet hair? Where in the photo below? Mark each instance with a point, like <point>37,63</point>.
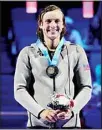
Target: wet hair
<point>40,18</point>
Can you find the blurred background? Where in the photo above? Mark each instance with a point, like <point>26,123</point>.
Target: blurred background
<point>18,29</point>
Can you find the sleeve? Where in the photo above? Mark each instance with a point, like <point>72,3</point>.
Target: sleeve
<point>21,81</point>
<point>83,77</point>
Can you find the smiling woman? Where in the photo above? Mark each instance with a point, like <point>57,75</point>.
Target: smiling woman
<point>57,15</point>
<point>53,71</point>
<point>52,25</point>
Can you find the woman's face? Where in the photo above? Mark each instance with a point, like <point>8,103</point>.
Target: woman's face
<point>52,24</point>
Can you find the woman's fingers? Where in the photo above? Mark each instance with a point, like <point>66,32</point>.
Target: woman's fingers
<point>51,116</point>
<point>61,115</point>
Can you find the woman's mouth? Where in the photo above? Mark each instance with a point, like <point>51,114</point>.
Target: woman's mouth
<point>53,30</point>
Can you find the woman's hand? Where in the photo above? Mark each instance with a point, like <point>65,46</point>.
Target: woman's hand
<point>49,115</point>
<point>62,115</point>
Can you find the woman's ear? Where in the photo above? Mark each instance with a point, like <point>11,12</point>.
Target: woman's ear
<point>40,25</point>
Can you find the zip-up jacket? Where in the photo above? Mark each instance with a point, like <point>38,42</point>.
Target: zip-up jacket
<point>35,96</point>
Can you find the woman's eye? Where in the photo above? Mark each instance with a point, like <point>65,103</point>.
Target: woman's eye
<point>56,21</point>
<point>48,21</point>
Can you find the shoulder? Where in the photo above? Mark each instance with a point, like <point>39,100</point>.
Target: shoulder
<point>23,54</point>
<point>80,49</point>
<point>26,49</point>
<point>75,47</point>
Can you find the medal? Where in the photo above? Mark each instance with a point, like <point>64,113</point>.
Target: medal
<point>52,71</point>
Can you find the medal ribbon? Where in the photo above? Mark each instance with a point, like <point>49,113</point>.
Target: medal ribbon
<point>44,50</point>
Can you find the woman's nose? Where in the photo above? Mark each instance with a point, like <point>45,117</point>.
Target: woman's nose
<point>52,24</point>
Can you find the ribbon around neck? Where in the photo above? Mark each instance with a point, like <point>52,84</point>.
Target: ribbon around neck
<point>44,50</point>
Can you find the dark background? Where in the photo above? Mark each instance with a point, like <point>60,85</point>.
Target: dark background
<point>7,6</point>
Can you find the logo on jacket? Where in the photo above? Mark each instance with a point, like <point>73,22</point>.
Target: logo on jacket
<point>39,52</point>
